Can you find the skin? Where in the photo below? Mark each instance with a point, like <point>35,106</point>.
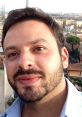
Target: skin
<point>32,45</point>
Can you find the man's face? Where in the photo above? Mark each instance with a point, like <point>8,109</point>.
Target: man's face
<point>32,60</point>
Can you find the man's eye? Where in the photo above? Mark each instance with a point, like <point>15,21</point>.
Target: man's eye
<point>39,49</point>
<point>11,55</point>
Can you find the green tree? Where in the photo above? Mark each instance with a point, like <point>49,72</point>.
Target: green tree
<point>73,40</point>
<point>74,53</point>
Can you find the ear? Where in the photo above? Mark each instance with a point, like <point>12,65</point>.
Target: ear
<point>64,57</point>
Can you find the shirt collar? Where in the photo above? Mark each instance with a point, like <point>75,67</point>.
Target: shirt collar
<point>72,106</point>
<point>15,109</point>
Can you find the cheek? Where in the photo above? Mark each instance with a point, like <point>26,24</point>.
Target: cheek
<point>49,61</point>
<point>10,68</point>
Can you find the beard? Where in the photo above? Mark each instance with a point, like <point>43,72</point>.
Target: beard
<point>48,83</point>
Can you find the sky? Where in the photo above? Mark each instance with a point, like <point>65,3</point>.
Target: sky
<point>51,6</point>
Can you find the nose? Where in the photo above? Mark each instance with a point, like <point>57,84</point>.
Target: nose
<point>26,60</point>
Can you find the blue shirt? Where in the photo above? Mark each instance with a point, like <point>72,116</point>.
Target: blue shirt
<point>71,108</point>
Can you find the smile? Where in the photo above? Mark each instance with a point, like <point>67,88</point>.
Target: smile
<point>28,80</point>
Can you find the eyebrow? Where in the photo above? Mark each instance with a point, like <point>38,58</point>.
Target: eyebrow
<point>33,42</point>
<point>38,41</point>
<point>10,48</point>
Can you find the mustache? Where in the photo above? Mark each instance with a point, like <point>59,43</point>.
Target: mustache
<point>28,72</point>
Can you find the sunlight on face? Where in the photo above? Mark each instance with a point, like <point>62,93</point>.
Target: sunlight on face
<point>32,60</point>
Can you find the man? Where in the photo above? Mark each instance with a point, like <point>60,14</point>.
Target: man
<point>35,57</point>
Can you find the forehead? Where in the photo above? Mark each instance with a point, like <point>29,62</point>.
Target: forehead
<point>30,30</point>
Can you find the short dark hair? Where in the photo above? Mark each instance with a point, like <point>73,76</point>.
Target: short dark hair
<point>24,14</point>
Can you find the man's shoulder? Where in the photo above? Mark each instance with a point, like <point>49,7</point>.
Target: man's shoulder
<point>73,101</point>
<point>80,95</point>
<point>74,96</point>
<point>13,110</point>
<point>73,90</point>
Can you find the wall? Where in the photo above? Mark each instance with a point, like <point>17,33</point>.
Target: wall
<point>2,98</point>
<point>5,90</point>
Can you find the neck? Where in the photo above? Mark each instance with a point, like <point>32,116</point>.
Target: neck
<point>50,105</point>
